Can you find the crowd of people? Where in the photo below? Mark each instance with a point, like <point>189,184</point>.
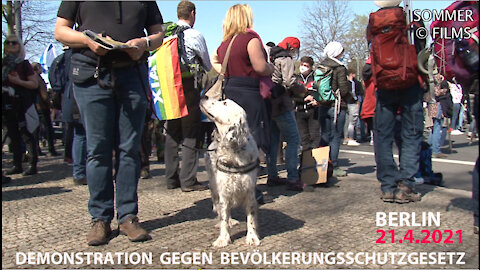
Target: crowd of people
<point>106,106</point>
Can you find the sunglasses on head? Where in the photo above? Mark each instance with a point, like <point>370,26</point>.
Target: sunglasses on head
<point>11,42</point>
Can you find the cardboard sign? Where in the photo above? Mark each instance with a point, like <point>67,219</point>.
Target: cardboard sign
<point>314,165</point>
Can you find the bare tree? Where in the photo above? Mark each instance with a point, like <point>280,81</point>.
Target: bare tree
<point>324,21</point>
<point>32,21</point>
<point>356,46</point>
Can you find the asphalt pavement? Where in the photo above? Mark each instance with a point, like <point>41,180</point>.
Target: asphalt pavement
<point>46,215</point>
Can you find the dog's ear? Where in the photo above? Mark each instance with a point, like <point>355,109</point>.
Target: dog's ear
<point>237,134</point>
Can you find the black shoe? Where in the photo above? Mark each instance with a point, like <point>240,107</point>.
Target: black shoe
<point>6,179</point>
<point>79,182</point>
<point>173,185</point>
<point>276,181</point>
<point>295,186</point>
<point>197,186</point>
<point>54,153</point>
<point>30,171</point>
<point>14,170</point>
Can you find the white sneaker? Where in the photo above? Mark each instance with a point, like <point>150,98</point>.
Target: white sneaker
<point>419,180</point>
<point>371,142</point>
<point>352,143</point>
<point>456,132</point>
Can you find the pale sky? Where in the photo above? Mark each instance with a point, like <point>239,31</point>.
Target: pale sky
<point>273,20</point>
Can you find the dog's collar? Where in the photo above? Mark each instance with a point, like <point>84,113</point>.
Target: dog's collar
<point>229,168</point>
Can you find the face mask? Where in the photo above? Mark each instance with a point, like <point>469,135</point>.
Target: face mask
<point>304,70</point>
<point>341,58</point>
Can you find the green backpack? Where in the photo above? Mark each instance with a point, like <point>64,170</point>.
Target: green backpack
<point>323,84</point>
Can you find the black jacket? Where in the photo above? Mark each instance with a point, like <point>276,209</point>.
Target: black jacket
<point>446,104</point>
<point>339,81</point>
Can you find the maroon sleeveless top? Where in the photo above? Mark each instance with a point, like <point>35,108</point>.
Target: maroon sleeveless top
<point>239,64</point>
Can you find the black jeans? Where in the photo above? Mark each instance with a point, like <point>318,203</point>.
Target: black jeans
<point>68,139</point>
<point>46,121</point>
<point>17,130</point>
<point>309,128</point>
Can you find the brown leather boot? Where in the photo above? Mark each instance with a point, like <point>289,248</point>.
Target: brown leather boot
<point>99,234</point>
<point>132,229</point>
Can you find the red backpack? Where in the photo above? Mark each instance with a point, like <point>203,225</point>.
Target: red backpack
<point>394,60</point>
<point>448,51</point>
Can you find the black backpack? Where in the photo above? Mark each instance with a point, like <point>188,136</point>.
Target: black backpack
<point>58,74</point>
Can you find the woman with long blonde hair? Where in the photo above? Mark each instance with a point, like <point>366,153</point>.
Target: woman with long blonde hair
<point>19,84</point>
<point>247,64</point>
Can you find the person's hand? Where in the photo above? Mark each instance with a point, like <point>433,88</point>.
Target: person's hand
<point>308,98</point>
<point>311,100</point>
<point>136,53</point>
<point>14,78</point>
<point>97,49</point>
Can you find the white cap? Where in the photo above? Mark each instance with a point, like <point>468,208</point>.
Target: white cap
<point>387,3</point>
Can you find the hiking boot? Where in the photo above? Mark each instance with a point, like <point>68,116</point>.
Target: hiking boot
<point>337,172</point>
<point>406,197</point>
<point>387,197</point>
<point>14,170</point>
<point>30,171</point>
<point>197,186</point>
<point>173,185</point>
<point>295,186</point>
<point>277,181</point>
<point>132,229</point>
<point>405,194</point>
<point>79,182</point>
<point>99,233</point>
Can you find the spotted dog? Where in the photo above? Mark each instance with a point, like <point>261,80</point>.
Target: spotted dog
<point>232,164</point>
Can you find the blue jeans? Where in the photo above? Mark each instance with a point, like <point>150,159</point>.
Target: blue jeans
<point>113,120</point>
<point>286,125</point>
<point>455,117</point>
<point>332,134</point>
<point>410,103</point>
<point>79,153</point>
<point>437,137</point>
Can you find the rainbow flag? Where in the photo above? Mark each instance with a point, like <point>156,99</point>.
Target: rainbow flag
<point>166,81</point>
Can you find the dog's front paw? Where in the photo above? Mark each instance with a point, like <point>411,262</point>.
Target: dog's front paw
<point>222,242</point>
<point>252,240</point>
